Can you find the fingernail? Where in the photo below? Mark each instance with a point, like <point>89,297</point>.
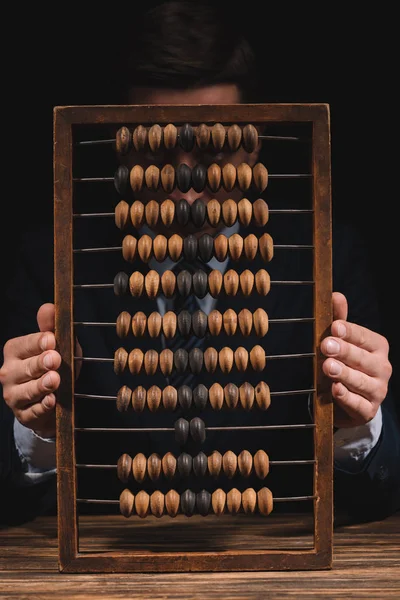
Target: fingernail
<point>332,347</point>
<point>335,368</point>
<point>44,341</point>
<point>48,361</point>
<point>341,330</point>
<point>48,381</point>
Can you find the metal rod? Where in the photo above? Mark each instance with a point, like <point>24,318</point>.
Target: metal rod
<point>110,285</point>
<point>119,248</point>
<point>272,211</point>
<point>270,357</point>
<point>270,176</point>
<point>271,462</point>
<point>227,428</point>
<point>283,393</point>
<point>280,138</point>
<point>287,499</point>
<point>98,324</point>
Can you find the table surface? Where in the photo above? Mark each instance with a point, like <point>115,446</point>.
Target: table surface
<point>366,562</point>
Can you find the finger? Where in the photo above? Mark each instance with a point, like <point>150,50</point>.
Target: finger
<point>34,390</point>
<point>360,336</point>
<point>30,415</point>
<point>339,306</point>
<point>352,356</point>
<point>359,409</point>
<point>46,317</point>
<point>371,388</point>
<point>35,367</point>
<point>29,345</point>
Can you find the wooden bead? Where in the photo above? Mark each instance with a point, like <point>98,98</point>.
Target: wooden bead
<point>203,135</point>
<point>154,324</point>
<point>145,248</point>
<point>215,464</point>
<point>122,214</point>
<point>244,176</point>
<point>124,468</point>
<point>260,212</point>
<point>200,283</point>
<point>190,247</point>
<point>200,464</point>
<point>152,283</point>
<point>231,395</point>
<point>188,502</point>
<point>185,397</point>
<point>198,430</point>
<point>230,321</point>
<point>139,399</point>
<point>129,246</point>
<point>263,395</point>
<point>198,208</point>
<point>263,282</point>
<point>260,320</point>
<point>170,136</point>
<point>139,138</point>
<point>184,323</point>
<point>241,359</point>
<point>172,501</point>
<point>234,136</point>
<point>215,321</point>
<point>142,504</point>
<point>221,247</point>
<point>199,323</point>
<point>231,282</point>
<point>199,177</point>
<point>265,501</point>
<point>136,178</point>
<point>260,176</point>
<point>157,504</point>
<point>182,212</point>
<point>121,178</point>
<point>257,358</point>
<point>168,283</point>
<point>229,212</point>
<point>126,503</point>
<point>120,360</point>
<point>168,464</point>
<point>213,212</point>
<point>139,323</point>
<point>121,282</point>
<point>218,501</point>
<point>137,214</point>
<point>225,359</point>
<point>184,464</point>
<point>186,137</point>
<point>250,138</point>
<point>169,324</point>
<point>139,467</point>
<point>233,501</point>
<point>245,463</point>
<point>196,360</point>
<point>245,319</point>
<point>250,246</point>
<point>160,244</point>
<point>210,359</point>
<point>135,361</point>
<point>181,360</point>
<point>155,137</point>
<point>154,466</point>
<point>245,211</point>
<point>261,464</point>
<point>215,280</point>
<point>152,211</point>
<point>167,211</point>
<point>124,399</point>
<point>266,246</point>
<point>169,397</point>
<point>183,177</point>
<point>229,464</point>
<point>235,246</point>
<point>249,501</point>
<point>152,177</point>
<point>166,361</point>
<point>200,396</point>
<point>206,247</point>
<point>216,394</point>
<point>228,177</point>
<point>218,135</point>
<point>123,324</point>
<point>168,178</point>
<point>136,284</point>
<point>181,431</point>
<point>203,502</point>
<point>123,140</point>
<point>154,398</point>
<point>214,177</point>
<point>246,395</point>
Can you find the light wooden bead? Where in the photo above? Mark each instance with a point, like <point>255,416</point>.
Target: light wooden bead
<point>250,138</point>
<point>160,245</point>
<point>245,319</point>
<point>214,462</point>
<point>246,282</point>
<point>124,399</point>
<point>139,467</point>
<point>129,246</point>
<point>136,284</point>
<point>167,211</point>
<point>137,214</point>
<point>136,178</point>
<point>210,359</point>
<point>215,280</point>
<point>168,464</point>
<point>142,504</point>
<point>234,501</point>
<point>230,321</point>
<point>215,321</point>
<point>151,362</point>
<point>245,463</point>
<point>245,211</point>
<point>241,358</point>
<point>213,212</point>
<point>266,246</point>
<point>229,464</point>
<point>169,324</point>
<point>225,359</point>
<point>218,134</point>
<point>152,283</point>
<point>168,178</point>
<point>229,212</point>
<point>169,395</point>
<point>152,212</point>
<point>139,137</point>
<point>228,177</point>
<point>153,398</point>
<point>221,247</point>
<point>263,395</point>
<point>152,177</point>
<point>139,399</point>
<point>124,468</point>
<point>246,395</point>
<point>168,283</point>
<point>250,246</point>
<point>139,323</point>
<point>214,177</point>
<point>260,212</point>
<point>145,248</point>
<point>123,140</point>
<point>202,134</point>
<point>218,500</point>
<point>260,320</point>
<point>126,503</point>
<point>154,466</point>
<point>231,282</point>
<point>260,176</point>
<point>263,282</point>
<point>175,246</point>
<point>261,464</point>
<point>244,176</point>
<point>234,135</point>
<point>123,324</point>
<point>249,501</point>
<point>120,360</point>
<point>265,501</point>
<point>172,501</point>
<point>157,504</point>
<point>155,137</point>
<point>235,246</point>
<point>170,136</point>
<point>231,395</point>
<point>122,214</point>
<point>135,361</point>
<point>257,358</point>
<point>216,396</point>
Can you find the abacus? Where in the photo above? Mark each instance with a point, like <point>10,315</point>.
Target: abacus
<point>176,420</point>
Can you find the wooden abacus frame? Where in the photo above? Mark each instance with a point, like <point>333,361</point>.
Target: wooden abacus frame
<point>70,558</point>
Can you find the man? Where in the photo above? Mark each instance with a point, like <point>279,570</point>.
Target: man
<point>169,65</point>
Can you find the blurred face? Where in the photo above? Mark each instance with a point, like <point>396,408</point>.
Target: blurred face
<point>215,94</point>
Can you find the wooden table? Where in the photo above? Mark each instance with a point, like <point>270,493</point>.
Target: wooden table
<point>366,565</point>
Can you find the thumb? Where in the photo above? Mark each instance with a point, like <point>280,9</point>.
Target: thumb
<point>46,317</point>
<point>339,306</point>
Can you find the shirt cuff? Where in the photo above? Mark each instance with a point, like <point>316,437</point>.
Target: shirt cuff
<point>352,445</point>
<point>37,454</point>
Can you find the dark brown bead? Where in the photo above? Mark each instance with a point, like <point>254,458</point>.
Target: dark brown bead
<point>196,360</point>
<point>203,502</point>
<point>198,210</point>
<point>190,247</point>
<point>184,464</point>
<point>197,430</point>
<point>124,468</point>
<point>182,211</point>
<point>184,323</point>
<point>199,323</point>
<point>199,177</point>
<point>188,502</point>
<point>181,431</point>
<point>121,179</point>
<point>200,464</point>
<point>206,247</point>
<point>123,324</point>
<point>231,395</point>
<point>181,359</point>
<point>124,399</point>
<point>123,140</point>
<point>185,396</point>
<point>184,283</point>
<point>200,396</point>
<point>200,283</point>
<point>186,137</point>
<point>184,177</point>
<point>121,283</point>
